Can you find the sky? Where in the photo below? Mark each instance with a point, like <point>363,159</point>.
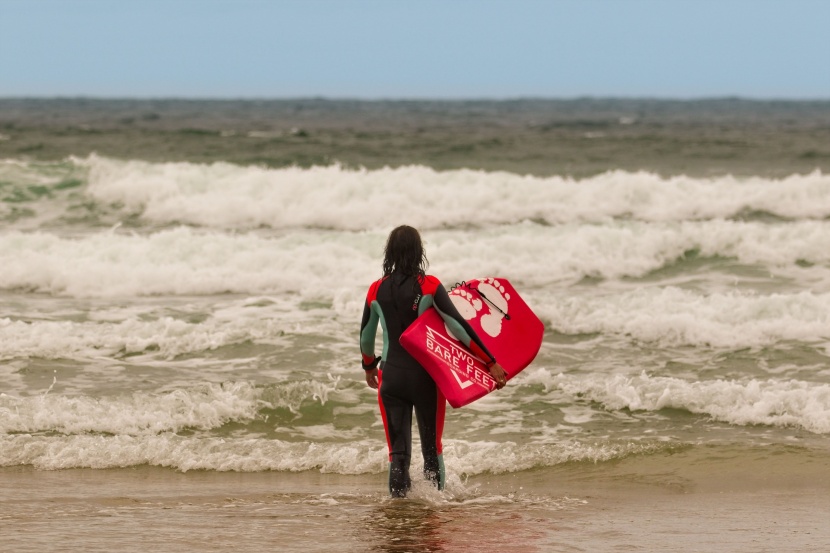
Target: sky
<point>416,49</point>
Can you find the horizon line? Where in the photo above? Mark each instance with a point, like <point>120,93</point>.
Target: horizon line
<point>366,99</point>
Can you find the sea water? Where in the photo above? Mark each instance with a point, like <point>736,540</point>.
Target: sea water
<point>178,350</point>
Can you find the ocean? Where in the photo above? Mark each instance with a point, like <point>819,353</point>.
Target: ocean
<point>181,285</point>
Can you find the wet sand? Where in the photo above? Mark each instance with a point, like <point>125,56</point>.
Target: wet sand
<point>607,509</point>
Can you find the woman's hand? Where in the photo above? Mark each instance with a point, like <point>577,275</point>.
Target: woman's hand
<point>372,378</point>
<point>497,372</point>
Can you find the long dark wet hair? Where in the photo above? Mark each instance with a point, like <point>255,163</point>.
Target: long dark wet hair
<point>404,253</point>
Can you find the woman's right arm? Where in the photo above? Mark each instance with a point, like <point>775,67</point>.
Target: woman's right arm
<point>368,332</point>
<point>462,330</point>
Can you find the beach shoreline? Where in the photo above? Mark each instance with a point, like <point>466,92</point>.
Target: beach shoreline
<point>164,510</point>
<point>768,499</point>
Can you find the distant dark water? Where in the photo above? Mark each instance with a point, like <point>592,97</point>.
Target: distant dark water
<point>576,137</point>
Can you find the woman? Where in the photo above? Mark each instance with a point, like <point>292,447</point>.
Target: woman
<point>396,300</point>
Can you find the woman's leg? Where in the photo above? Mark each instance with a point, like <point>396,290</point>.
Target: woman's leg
<point>397,421</point>
<point>430,411</point>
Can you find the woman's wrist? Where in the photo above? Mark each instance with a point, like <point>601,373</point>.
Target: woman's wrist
<point>372,365</point>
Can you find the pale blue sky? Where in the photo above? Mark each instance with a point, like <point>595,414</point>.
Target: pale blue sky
<point>415,49</point>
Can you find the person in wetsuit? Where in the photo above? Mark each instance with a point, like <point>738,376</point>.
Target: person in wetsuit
<point>403,293</point>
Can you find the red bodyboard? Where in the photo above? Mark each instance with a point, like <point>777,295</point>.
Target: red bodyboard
<point>503,321</point>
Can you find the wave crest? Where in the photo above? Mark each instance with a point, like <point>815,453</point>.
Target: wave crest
<point>771,402</point>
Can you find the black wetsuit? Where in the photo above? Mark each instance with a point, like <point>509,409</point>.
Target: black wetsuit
<point>395,302</point>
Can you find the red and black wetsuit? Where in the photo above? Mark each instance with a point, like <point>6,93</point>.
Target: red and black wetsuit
<point>395,302</point>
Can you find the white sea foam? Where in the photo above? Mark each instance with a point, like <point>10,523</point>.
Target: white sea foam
<point>662,316</point>
<point>178,261</point>
<point>659,315</point>
<point>752,402</point>
<point>564,254</point>
<point>226,196</point>
<point>166,337</point>
<point>203,407</point>
<point>259,454</point>
<point>673,316</point>
<point>500,457</point>
<point>231,196</point>
<point>187,262</point>
<point>190,453</point>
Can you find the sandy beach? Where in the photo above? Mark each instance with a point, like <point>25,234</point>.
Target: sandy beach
<point>618,508</point>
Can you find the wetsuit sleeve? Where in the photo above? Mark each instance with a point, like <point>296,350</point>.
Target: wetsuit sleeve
<point>368,332</point>
<point>369,328</point>
<point>460,328</point>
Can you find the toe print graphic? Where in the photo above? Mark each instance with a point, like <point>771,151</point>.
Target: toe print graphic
<point>495,294</point>
<point>466,304</point>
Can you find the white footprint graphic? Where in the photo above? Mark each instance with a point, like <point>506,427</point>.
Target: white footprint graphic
<point>494,291</point>
<point>467,306</point>
<point>465,303</point>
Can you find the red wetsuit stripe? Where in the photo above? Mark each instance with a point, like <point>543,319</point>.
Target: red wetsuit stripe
<point>372,295</point>
<point>480,353</point>
<point>383,416</point>
<point>429,285</point>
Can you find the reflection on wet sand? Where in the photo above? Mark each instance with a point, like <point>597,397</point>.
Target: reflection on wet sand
<point>399,526</point>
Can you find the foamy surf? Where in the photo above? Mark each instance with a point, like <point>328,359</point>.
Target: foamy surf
<point>365,456</point>
<point>186,261</point>
<point>660,317</point>
<point>753,402</point>
<point>230,196</point>
<point>672,316</point>
<point>226,196</point>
